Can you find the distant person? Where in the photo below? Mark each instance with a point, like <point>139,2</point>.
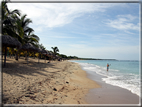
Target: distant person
<point>107,66</point>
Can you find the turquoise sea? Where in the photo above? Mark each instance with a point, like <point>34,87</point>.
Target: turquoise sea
<point>123,73</point>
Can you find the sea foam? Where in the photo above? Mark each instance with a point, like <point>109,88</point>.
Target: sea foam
<point>126,80</point>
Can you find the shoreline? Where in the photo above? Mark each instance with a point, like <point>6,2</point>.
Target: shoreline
<point>44,83</point>
<point>109,94</point>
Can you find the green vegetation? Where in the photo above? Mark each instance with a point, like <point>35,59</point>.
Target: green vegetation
<point>55,50</point>
<point>17,25</point>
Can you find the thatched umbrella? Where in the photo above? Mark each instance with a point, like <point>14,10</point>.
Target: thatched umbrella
<point>36,50</point>
<point>51,55</point>
<point>58,57</point>
<point>39,51</point>
<point>48,53</point>
<point>19,46</point>
<point>8,41</point>
<point>28,47</point>
<point>39,54</point>
<point>44,52</point>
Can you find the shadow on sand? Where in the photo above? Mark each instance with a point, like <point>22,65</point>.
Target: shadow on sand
<point>21,67</point>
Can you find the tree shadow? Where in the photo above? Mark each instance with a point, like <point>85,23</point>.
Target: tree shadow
<point>24,71</point>
<point>20,68</point>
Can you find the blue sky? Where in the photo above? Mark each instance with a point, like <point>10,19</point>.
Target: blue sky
<point>90,30</point>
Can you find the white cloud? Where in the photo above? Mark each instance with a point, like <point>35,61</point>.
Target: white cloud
<point>124,22</point>
<point>52,15</point>
<point>58,36</point>
<point>129,32</point>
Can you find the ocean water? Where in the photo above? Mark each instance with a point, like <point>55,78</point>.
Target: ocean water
<point>123,73</point>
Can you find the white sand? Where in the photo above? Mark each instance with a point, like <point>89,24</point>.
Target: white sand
<point>44,83</point>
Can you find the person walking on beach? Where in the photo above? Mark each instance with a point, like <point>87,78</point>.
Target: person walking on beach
<point>107,66</point>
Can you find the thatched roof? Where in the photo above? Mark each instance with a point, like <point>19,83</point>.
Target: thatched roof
<point>44,51</point>
<point>39,50</point>
<point>57,56</point>
<point>10,41</point>
<point>36,49</point>
<point>51,54</point>
<point>47,52</point>
<point>28,47</point>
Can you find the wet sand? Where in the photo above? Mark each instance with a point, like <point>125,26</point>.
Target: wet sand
<point>109,94</point>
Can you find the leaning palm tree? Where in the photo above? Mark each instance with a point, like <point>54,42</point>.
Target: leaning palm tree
<point>8,20</point>
<point>55,50</point>
<point>25,33</point>
<point>42,48</point>
<point>22,29</point>
<point>33,39</point>
<point>16,26</point>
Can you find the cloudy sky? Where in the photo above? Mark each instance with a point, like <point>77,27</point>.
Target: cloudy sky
<point>90,30</point>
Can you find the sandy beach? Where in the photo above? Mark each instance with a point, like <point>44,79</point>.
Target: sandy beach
<point>44,83</point>
<point>93,49</point>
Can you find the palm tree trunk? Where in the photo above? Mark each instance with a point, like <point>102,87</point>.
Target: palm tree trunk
<point>38,57</point>
<point>12,52</point>
<point>34,55</point>
<point>17,54</point>
<point>5,56</point>
<point>26,56</point>
<point>9,55</point>
<point>45,58</point>
<point>2,58</point>
<point>49,59</point>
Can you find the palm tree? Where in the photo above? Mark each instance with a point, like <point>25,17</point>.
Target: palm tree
<point>17,26</point>
<point>22,29</point>
<point>8,19</point>
<point>32,38</point>
<point>41,46</point>
<point>55,50</point>
<point>24,32</point>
